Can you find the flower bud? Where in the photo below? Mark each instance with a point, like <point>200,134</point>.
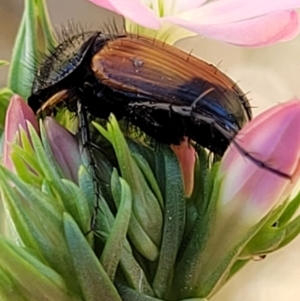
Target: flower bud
<point>65,148</point>
<point>17,115</point>
<point>249,191</point>
<point>243,194</point>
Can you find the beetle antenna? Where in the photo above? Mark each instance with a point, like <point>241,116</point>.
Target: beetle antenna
<point>193,105</point>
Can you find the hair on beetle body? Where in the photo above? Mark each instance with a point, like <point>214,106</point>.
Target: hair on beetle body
<point>154,86</point>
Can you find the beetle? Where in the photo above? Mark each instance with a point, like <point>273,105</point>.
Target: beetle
<point>165,92</point>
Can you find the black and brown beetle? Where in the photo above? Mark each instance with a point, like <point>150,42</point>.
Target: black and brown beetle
<point>156,87</point>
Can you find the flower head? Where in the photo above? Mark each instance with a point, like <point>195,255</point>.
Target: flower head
<point>65,148</point>
<point>250,23</point>
<point>273,138</point>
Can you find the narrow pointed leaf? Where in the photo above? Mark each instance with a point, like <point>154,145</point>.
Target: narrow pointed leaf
<point>146,208</point>
<point>154,158</point>
<point>112,252</point>
<point>129,294</point>
<point>264,242</point>
<point>44,156</point>
<point>5,95</point>
<point>92,278</point>
<point>8,290</point>
<point>22,170</point>
<point>292,229</point>
<point>135,275</point>
<point>77,205</point>
<point>34,37</point>
<point>49,40</point>
<point>30,278</point>
<point>290,210</point>
<point>145,168</point>
<point>86,185</point>
<point>29,209</point>
<point>25,49</point>
<point>147,217</point>
<point>130,267</point>
<point>174,222</point>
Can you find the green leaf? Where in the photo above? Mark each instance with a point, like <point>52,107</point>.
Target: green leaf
<point>132,270</point>
<point>148,174</point>
<point>113,248</point>
<point>5,95</point>
<point>104,220</point>
<point>129,294</point>
<point>146,208</point>
<point>9,291</point>
<point>146,220</point>
<point>27,278</point>
<point>3,63</point>
<point>289,211</point>
<point>291,230</point>
<point>77,205</point>
<point>22,168</point>
<point>199,195</point>
<point>135,275</point>
<point>34,37</point>
<point>94,282</point>
<point>174,221</point>
<point>196,205</point>
<point>24,49</point>
<point>44,26</point>
<point>264,242</point>
<point>237,266</point>
<point>25,161</point>
<point>43,152</point>
<point>86,185</point>
<point>29,208</point>
<point>155,159</point>
<point>46,161</point>
<point>269,236</point>
<point>21,211</point>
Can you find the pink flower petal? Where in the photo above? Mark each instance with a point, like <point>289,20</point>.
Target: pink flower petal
<point>260,31</point>
<point>133,10</point>
<point>17,115</point>
<point>186,156</point>
<point>185,5</point>
<point>273,138</point>
<point>227,11</point>
<point>67,151</point>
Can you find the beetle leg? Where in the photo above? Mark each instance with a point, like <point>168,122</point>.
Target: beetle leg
<point>86,145</point>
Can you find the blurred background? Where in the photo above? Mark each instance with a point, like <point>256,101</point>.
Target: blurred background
<point>270,75</point>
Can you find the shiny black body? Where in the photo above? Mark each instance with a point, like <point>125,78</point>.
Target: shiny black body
<point>156,87</point>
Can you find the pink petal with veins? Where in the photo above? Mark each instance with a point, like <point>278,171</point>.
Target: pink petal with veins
<point>133,10</point>
<point>228,11</point>
<point>260,31</point>
<point>273,138</point>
